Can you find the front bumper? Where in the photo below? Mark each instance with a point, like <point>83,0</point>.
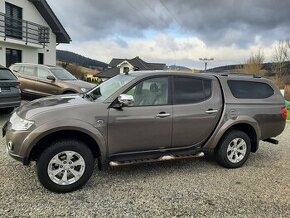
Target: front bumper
<point>10,104</point>
<point>9,101</point>
<point>14,143</point>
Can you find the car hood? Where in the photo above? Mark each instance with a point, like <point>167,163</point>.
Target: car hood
<point>79,83</point>
<point>52,103</point>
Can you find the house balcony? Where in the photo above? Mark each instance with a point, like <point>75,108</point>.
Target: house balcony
<point>23,32</point>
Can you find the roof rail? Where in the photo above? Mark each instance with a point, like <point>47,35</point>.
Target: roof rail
<point>235,74</point>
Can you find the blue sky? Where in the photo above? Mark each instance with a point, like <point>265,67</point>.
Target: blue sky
<point>174,31</point>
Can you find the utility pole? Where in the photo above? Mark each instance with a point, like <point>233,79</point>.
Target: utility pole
<point>206,60</point>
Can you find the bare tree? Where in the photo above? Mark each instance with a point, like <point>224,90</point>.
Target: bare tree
<point>76,71</point>
<point>280,57</point>
<point>287,50</point>
<point>254,65</point>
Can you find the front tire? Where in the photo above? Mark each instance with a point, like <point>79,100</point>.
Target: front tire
<point>234,149</point>
<point>65,166</point>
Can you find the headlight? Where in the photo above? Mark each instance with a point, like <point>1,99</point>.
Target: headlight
<point>20,124</point>
<point>84,89</point>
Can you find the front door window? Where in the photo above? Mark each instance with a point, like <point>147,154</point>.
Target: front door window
<point>150,92</point>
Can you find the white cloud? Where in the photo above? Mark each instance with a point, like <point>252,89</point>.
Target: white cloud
<point>164,48</point>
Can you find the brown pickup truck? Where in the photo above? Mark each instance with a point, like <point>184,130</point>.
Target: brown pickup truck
<point>145,116</point>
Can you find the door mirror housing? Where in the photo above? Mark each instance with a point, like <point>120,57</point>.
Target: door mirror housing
<point>126,100</point>
<point>52,78</point>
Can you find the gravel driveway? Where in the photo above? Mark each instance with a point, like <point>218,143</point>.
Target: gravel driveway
<point>196,187</point>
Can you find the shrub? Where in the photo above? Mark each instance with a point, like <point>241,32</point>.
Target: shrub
<point>287,104</point>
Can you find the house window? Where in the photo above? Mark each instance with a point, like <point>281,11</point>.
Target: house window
<point>13,21</point>
<point>126,69</point>
<point>13,56</point>
<point>40,58</point>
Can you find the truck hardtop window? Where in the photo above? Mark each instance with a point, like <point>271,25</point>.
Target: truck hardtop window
<point>250,89</point>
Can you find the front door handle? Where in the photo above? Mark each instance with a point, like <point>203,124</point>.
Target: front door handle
<point>162,114</point>
<point>211,111</point>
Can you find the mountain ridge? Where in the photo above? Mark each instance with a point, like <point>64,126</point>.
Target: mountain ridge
<point>74,58</point>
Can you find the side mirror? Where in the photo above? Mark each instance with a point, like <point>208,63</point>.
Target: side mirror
<point>52,78</point>
<point>126,100</point>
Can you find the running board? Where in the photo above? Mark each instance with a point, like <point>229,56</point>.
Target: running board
<point>162,158</point>
<point>271,140</point>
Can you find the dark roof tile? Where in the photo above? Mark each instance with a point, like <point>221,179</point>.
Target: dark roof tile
<point>137,62</point>
<point>51,19</point>
<point>109,73</point>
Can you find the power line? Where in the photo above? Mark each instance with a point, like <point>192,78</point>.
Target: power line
<point>149,6</point>
<point>137,10</point>
<point>172,15</point>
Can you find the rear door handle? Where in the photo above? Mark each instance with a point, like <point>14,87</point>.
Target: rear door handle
<point>211,111</point>
<point>162,114</point>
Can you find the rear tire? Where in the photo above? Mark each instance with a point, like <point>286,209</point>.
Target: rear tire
<point>65,166</point>
<point>234,149</point>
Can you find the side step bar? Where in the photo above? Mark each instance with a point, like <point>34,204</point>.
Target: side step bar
<point>162,158</point>
<point>271,140</point>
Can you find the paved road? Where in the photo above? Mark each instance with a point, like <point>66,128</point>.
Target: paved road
<point>180,188</point>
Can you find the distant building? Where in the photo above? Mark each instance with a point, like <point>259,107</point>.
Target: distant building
<point>29,32</point>
<point>117,66</point>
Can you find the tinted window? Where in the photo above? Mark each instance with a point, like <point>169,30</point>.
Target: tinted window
<point>29,71</point>
<point>191,90</point>
<point>43,73</point>
<point>249,89</point>
<point>6,75</point>
<point>150,92</point>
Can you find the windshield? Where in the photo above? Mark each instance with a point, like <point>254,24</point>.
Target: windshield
<point>6,75</point>
<point>62,74</point>
<point>109,87</point>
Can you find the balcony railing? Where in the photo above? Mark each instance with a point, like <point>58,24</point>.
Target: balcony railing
<point>23,30</point>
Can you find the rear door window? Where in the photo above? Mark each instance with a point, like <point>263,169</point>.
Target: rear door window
<point>6,75</point>
<point>29,71</point>
<point>189,90</point>
<point>250,89</point>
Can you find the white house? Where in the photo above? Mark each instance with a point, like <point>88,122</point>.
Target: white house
<point>29,32</point>
<point>119,66</point>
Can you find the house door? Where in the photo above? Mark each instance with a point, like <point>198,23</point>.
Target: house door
<point>13,56</point>
<point>40,58</point>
